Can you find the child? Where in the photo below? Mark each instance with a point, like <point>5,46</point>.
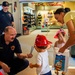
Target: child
<point>58,44</point>
<point>42,63</point>
<point>61,40</point>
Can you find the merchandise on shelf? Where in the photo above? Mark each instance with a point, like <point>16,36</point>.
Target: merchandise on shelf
<point>39,19</point>
<point>28,21</point>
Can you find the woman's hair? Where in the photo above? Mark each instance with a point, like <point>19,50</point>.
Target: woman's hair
<point>59,10</point>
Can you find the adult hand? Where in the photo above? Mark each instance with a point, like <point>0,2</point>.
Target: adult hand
<point>30,65</point>
<point>61,50</point>
<point>5,67</point>
<point>29,55</point>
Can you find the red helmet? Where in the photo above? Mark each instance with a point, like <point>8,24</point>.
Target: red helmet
<point>41,40</point>
<point>59,31</point>
<point>1,73</point>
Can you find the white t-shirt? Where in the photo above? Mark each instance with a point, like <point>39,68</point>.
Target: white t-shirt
<point>60,45</point>
<point>42,59</point>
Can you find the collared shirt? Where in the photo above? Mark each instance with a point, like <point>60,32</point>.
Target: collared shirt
<point>7,51</point>
<point>6,19</point>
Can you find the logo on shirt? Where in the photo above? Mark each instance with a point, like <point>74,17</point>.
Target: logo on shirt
<point>9,15</point>
<point>12,47</point>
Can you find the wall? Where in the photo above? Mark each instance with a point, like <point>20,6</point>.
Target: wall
<point>17,16</point>
<point>70,4</point>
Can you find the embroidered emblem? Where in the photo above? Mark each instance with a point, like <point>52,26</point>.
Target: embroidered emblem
<point>12,47</point>
<point>9,15</point>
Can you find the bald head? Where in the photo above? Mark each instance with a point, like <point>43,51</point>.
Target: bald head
<point>9,28</point>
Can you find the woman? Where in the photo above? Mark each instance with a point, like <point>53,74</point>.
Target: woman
<point>68,17</point>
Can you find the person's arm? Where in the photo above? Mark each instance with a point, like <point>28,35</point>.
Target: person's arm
<point>5,67</point>
<point>63,39</point>
<point>34,65</point>
<point>18,50</point>
<point>71,39</point>
<point>1,63</point>
<point>13,24</point>
<point>12,19</point>
<point>55,45</point>
<point>23,56</point>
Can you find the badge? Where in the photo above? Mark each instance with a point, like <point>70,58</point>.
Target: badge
<point>9,15</point>
<point>12,47</point>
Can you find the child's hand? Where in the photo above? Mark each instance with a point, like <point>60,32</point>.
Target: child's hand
<point>30,65</point>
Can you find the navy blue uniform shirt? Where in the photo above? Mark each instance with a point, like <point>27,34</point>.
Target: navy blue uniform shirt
<point>6,19</point>
<point>7,51</point>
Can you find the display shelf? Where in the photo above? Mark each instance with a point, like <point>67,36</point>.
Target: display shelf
<point>53,27</point>
<point>39,19</point>
<point>29,21</point>
<point>33,20</point>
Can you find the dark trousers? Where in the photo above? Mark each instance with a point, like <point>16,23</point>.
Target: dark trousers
<point>49,73</point>
<point>18,65</point>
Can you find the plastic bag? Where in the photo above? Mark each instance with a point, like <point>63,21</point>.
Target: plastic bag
<point>62,58</point>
